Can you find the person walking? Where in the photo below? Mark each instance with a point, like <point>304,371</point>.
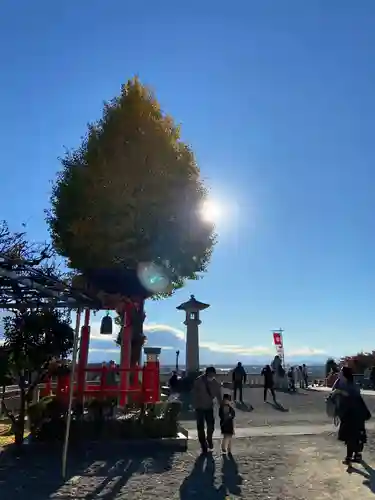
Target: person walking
<point>291,380</point>
<point>300,379</point>
<point>205,390</point>
<point>353,414</point>
<point>372,378</point>
<point>305,376</point>
<point>238,379</point>
<point>268,384</point>
<point>226,415</point>
<point>173,382</point>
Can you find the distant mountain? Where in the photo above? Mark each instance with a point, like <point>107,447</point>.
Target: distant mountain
<point>104,350</point>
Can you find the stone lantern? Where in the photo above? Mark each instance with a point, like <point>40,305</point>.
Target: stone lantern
<point>192,309</point>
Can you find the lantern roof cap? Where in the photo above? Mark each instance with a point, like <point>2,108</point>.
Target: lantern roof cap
<point>152,350</point>
<point>192,305</point>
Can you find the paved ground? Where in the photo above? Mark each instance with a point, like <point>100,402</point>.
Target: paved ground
<point>292,468</point>
<point>266,467</point>
<point>301,408</point>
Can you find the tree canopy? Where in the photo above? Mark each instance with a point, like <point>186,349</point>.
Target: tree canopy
<point>360,362</point>
<point>131,193</point>
<point>33,339</point>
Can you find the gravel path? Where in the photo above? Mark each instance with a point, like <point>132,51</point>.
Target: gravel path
<point>267,468</point>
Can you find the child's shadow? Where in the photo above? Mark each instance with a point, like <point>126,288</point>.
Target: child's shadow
<point>368,474</point>
<point>231,480</point>
<point>200,482</point>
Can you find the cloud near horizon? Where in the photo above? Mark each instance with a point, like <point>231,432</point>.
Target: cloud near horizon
<point>212,346</point>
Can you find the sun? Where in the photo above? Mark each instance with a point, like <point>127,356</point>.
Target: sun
<point>210,211</point>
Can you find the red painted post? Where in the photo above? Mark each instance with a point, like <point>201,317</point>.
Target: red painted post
<point>103,381</point>
<point>152,374</point>
<point>83,356</point>
<point>157,381</point>
<point>146,383</point>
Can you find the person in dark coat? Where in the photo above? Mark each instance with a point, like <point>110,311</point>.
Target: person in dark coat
<point>372,377</point>
<point>238,379</point>
<point>353,414</point>
<point>173,382</point>
<point>205,390</point>
<point>226,415</point>
<point>268,383</point>
<point>291,380</point>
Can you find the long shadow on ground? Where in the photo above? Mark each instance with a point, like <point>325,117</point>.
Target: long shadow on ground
<point>278,407</point>
<point>368,473</point>
<point>244,406</point>
<point>103,471</point>
<point>200,484</point>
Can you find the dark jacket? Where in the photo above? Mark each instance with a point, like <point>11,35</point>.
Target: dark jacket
<point>204,393</point>
<point>226,415</point>
<point>268,377</point>
<point>239,375</point>
<point>353,413</point>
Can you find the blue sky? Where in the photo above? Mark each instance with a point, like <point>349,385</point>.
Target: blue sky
<point>276,99</point>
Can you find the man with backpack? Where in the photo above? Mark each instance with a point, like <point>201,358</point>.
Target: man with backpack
<point>206,388</point>
<point>238,379</point>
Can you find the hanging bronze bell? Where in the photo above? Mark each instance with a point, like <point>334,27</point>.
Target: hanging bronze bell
<point>106,325</point>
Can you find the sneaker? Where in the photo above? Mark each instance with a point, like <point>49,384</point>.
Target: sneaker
<point>223,451</point>
<point>357,458</point>
<point>347,461</point>
<point>210,450</point>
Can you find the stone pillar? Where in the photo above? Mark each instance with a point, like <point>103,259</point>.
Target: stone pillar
<point>192,322</point>
<point>192,342</point>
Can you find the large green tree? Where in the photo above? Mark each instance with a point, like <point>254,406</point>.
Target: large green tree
<point>131,193</point>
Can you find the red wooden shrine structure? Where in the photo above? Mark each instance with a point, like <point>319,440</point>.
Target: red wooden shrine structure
<point>24,286</point>
<point>144,386</point>
<point>136,383</point>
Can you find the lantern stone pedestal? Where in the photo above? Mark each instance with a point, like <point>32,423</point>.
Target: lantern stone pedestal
<point>192,309</point>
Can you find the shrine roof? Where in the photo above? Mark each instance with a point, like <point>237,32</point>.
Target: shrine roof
<point>192,305</point>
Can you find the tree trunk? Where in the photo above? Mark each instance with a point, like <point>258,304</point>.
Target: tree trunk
<point>137,334</point>
<point>19,429</point>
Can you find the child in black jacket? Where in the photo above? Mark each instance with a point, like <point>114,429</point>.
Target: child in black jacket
<point>226,415</point>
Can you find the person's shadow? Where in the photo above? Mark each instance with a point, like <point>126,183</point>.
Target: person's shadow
<point>200,482</point>
<point>231,480</point>
<point>244,406</point>
<point>278,406</point>
<point>368,473</point>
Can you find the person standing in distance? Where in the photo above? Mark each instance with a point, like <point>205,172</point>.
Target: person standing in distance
<point>238,379</point>
<point>305,376</point>
<point>268,383</point>
<point>206,388</point>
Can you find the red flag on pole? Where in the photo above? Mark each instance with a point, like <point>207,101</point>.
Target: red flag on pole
<point>277,339</point>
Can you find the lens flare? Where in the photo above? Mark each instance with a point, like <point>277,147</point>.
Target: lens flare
<point>153,277</point>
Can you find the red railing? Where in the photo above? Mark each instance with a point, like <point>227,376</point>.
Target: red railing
<point>142,384</point>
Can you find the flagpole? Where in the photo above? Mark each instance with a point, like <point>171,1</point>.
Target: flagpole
<point>280,331</point>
